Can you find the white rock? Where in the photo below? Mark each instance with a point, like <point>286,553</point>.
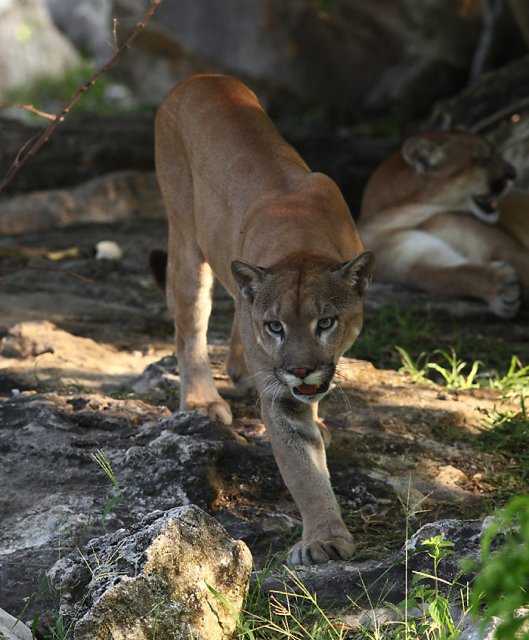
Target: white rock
<point>108,250</point>
<point>13,629</point>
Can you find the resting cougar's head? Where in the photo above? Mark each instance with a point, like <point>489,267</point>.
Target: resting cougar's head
<point>305,313</point>
<point>442,171</point>
<point>460,171</point>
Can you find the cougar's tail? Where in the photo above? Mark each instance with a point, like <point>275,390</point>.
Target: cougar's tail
<point>158,265</point>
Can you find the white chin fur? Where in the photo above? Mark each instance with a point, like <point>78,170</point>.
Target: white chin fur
<point>308,399</point>
<point>489,218</point>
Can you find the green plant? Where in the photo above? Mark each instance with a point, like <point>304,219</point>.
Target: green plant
<point>435,621</point>
<point>51,622</point>
<point>416,369</point>
<point>292,613</point>
<point>506,432</point>
<point>102,460</point>
<point>425,612</point>
<point>102,568</point>
<point>453,375</point>
<point>458,375</point>
<point>515,380</point>
<point>501,588</point>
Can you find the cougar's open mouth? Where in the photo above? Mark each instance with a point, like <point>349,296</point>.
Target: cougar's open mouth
<point>487,203</point>
<point>310,389</point>
<point>485,208</point>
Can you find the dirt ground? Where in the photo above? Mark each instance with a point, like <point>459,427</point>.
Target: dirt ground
<point>73,325</point>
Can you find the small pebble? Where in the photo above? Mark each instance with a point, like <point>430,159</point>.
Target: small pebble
<point>108,250</point>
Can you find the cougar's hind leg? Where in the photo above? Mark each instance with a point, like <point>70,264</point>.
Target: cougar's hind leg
<point>236,365</point>
<point>427,262</point>
<point>189,290</point>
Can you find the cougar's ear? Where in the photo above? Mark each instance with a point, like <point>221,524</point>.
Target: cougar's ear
<point>358,271</point>
<point>422,154</point>
<point>249,278</point>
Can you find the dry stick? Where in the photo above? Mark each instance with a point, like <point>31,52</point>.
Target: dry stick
<point>493,118</point>
<point>68,272</point>
<point>36,144</point>
<point>32,109</point>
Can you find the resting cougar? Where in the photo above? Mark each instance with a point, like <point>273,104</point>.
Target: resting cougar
<point>435,217</point>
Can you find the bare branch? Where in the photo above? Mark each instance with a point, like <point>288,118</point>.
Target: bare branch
<point>31,109</point>
<point>33,146</point>
<point>68,272</point>
<point>115,33</point>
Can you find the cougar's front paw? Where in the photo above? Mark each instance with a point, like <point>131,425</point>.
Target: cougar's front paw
<point>506,299</point>
<point>319,551</point>
<point>217,410</point>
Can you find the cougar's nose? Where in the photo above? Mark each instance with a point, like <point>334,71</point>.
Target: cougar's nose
<point>300,372</point>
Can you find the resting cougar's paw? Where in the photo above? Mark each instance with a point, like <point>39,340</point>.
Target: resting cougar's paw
<point>216,410</point>
<point>507,299</point>
<point>320,551</point>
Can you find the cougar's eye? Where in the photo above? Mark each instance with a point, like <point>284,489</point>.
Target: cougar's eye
<point>274,327</point>
<point>325,324</point>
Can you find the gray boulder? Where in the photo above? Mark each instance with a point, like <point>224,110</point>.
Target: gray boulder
<point>108,198</point>
<point>295,52</point>
<point>13,629</point>
<point>30,45</point>
<point>87,23</point>
<point>175,575</point>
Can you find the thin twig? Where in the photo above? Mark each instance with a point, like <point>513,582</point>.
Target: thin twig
<point>115,33</point>
<point>31,109</point>
<point>68,272</point>
<point>24,153</point>
<point>493,118</point>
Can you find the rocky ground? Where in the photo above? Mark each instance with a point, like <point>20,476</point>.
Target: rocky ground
<point>86,367</point>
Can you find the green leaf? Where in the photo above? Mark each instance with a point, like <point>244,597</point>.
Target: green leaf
<point>110,505</point>
<point>35,624</point>
<point>439,611</point>
<point>221,598</point>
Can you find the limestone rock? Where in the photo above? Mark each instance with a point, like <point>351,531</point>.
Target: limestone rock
<point>83,147</point>
<point>342,582</point>
<point>87,23</point>
<point>13,629</point>
<point>293,52</point>
<point>108,198</point>
<point>30,45</point>
<point>161,577</point>
<point>53,500</point>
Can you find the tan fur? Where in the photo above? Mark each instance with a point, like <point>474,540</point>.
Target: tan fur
<point>243,205</point>
<point>431,215</point>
